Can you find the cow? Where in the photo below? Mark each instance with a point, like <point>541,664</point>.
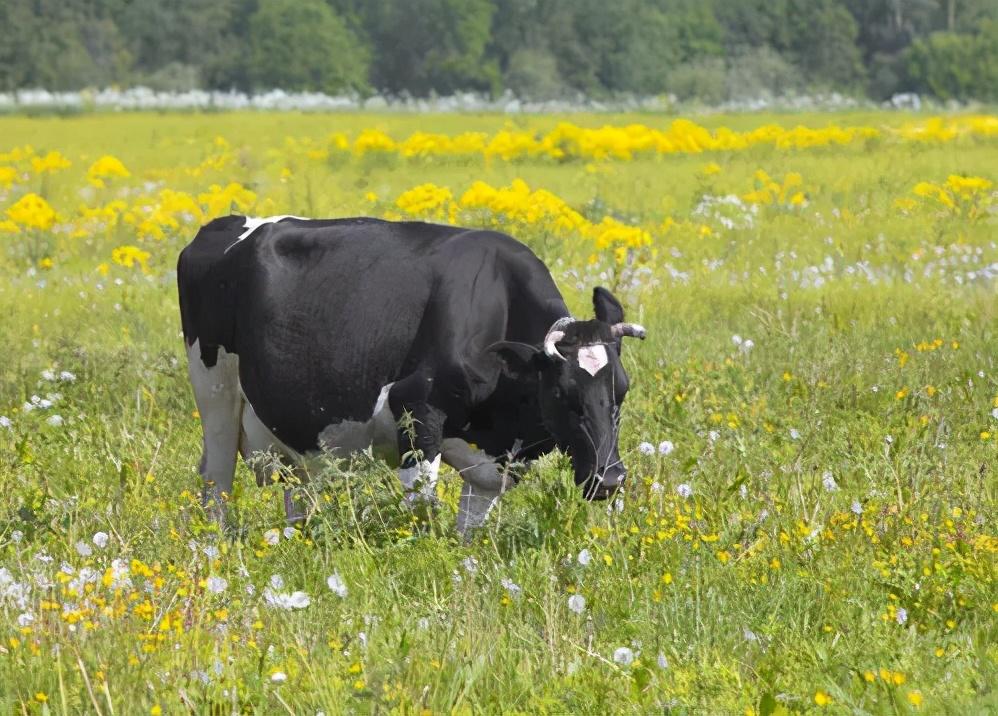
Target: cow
<point>429,342</point>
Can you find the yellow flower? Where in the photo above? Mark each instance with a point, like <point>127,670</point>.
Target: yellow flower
<point>51,163</point>
<point>869,676</point>
<point>915,698</point>
<point>821,698</point>
<point>711,169</point>
<point>32,212</point>
<point>41,697</point>
<point>156,710</point>
<point>128,256</point>
<point>107,167</point>
<point>8,175</point>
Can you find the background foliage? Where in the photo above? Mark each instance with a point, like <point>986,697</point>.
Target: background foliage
<point>707,50</point>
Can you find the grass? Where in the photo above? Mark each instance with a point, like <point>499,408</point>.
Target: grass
<point>837,553</point>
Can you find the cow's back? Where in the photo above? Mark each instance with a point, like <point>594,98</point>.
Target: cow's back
<point>322,314</point>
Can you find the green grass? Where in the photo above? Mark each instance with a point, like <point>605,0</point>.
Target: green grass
<point>759,591</point>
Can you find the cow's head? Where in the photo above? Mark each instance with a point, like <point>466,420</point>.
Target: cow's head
<point>582,384</point>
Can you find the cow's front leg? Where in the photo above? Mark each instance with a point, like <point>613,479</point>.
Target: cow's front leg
<point>419,436</point>
<point>484,481</point>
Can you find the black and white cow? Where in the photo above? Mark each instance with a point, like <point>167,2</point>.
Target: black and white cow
<point>308,335</point>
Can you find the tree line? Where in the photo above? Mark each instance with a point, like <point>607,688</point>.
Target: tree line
<point>706,50</point>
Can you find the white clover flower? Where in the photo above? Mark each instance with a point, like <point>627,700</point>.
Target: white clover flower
<point>48,375</point>
<point>577,603</point>
<point>665,447</point>
<point>510,586</point>
<point>272,537</point>
<point>794,434</point>
<point>276,581</point>
<point>663,663</point>
<point>713,435</point>
<point>67,377</point>
<point>299,600</point>
<point>684,490</point>
<point>5,422</point>
<point>16,536</point>
<point>901,616</point>
<point>623,656</point>
<point>994,414</point>
<point>470,565</point>
<point>290,532</point>
<point>337,585</point>
<point>736,339</point>
<point>856,507</point>
<point>828,482</point>
<point>54,420</point>
<point>278,677</point>
<point>585,557</point>
<point>83,549</point>
<point>281,600</point>
<point>25,619</point>
<point>217,585</point>
<point>747,346</point>
<point>646,448</point>
<point>656,488</point>
<point>100,539</point>
<point>211,551</point>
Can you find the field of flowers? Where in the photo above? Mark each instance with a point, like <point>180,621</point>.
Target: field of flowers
<point>810,522</point>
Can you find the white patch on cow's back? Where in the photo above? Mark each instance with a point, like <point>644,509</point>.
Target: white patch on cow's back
<point>253,223</point>
<point>593,359</point>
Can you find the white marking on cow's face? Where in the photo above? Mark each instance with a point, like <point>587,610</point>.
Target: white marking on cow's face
<point>593,359</point>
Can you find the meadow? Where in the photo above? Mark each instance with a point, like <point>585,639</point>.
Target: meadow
<point>809,524</point>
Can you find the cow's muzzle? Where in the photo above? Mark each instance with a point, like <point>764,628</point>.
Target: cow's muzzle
<point>605,483</point>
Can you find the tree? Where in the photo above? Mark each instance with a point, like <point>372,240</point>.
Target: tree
<point>304,45</point>
<point>430,45</point>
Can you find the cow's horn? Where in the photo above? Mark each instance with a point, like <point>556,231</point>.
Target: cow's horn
<point>555,334</point>
<point>632,330</point>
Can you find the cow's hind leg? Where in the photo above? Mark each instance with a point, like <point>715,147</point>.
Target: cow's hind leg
<point>219,403</point>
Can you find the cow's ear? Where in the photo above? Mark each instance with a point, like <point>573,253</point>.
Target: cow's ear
<point>517,358</point>
<point>608,308</point>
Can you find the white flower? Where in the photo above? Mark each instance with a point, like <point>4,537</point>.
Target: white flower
<point>210,551</point>
<point>736,339</point>
<point>684,490</point>
<point>889,439</point>
<point>857,509</point>
<point>295,600</point>
<point>83,549</point>
<point>510,586</point>
<point>585,557</point>
<point>6,423</point>
<point>994,414</point>
<point>713,435</point>
<point>623,656</point>
<point>67,377</point>
<point>646,448</point>
<point>16,536</point>
<point>656,487</point>
<point>277,581</point>
<point>54,420</point>
<point>901,616</point>
<point>25,619</point>
<point>217,585</point>
<point>665,447</point>
<point>663,663</point>
<point>337,585</point>
<point>48,375</point>
<point>577,603</point>
<point>272,537</point>
<point>100,539</point>
<point>289,532</point>
<point>747,346</point>
<point>828,482</point>
<point>470,565</point>
<point>794,434</point>
<point>278,677</point>
<point>743,491</point>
